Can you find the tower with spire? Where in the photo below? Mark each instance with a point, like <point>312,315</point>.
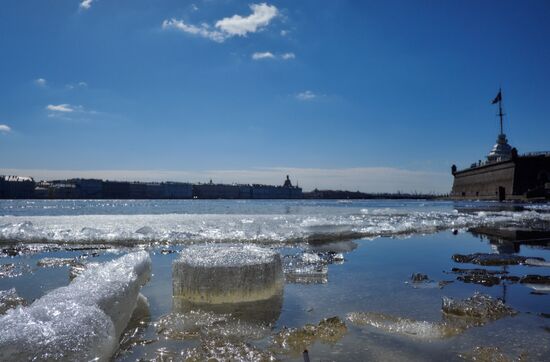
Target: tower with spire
<point>501,150</point>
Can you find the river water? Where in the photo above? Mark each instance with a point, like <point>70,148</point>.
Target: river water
<point>360,254</point>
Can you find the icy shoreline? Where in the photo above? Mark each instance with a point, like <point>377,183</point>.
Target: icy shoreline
<point>276,228</point>
<point>81,321</point>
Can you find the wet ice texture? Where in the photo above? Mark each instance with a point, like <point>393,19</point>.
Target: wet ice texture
<point>220,349</point>
<point>399,325</point>
<point>225,273</point>
<point>81,321</point>
<point>232,227</point>
<point>10,299</point>
<point>487,259</point>
<point>478,306</point>
<point>295,340</point>
<point>458,316</point>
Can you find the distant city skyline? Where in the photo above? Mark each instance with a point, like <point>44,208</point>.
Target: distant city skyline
<point>369,96</point>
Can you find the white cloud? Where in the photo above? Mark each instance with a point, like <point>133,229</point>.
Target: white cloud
<point>65,108</point>
<point>262,55</point>
<point>41,82</point>
<point>86,4</point>
<point>202,30</point>
<point>365,179</point>
<point>261,16</point>
<point>194,7</point>
<point>285,32</point>
<point>237,25</point>
<point>79,85</point>
<point>269,55</point>
<point>4,128</point>
<point>288,56</point>
<point>306,95</point>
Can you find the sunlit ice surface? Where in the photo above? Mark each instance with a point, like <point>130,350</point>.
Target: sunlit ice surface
<point>341,261</point>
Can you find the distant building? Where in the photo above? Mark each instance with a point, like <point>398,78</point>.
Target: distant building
<point>25,187</point>
<point>215,191</point>
<point>177,190</point>
<point>505,174</point>
<point>116,190</point>
<point>16,187</point>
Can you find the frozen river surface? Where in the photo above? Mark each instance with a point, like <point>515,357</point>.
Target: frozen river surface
<point>349,290</point>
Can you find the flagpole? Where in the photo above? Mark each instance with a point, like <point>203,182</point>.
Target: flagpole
<point>500,109</point>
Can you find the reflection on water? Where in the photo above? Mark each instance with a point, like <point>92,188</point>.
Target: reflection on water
<point>262,311</point>
<point>509,240</point>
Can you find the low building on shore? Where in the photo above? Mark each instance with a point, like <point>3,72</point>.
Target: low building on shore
<point>16,187</point>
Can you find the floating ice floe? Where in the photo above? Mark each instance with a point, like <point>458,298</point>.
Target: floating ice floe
<point>405,326</point>
<point>81,321</point>
<point>296,340</point>
<point>536,262</point>
<point>539,283</point>
<point>458,315</point>
<point>224,273</point>
<point>494,259</point>
<point>479,306</point>
<point>422,281</point>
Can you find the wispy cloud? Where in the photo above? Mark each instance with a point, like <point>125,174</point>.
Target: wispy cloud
<point>4,128</point>
<point>76,85</point>
<point>65,108</point>
<point>237,25</point>
<point>285,32</point>
<point>366,179</point>
<point>262,55</point>
<point>288,56</point>
<point>203,30</point>
<point>306,95</point>
<point>269,55</point>
<point>86,4</point>
<point>41,82</point>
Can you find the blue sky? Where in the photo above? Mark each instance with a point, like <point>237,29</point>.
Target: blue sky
<point>364,95</point>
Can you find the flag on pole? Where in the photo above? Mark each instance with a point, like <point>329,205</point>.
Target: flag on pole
<point>498,98</point>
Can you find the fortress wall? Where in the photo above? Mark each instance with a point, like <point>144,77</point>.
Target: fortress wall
<point>483,182</point>
<point>531,173</point>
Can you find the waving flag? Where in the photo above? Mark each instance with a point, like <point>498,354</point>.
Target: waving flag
<point>498,98</point>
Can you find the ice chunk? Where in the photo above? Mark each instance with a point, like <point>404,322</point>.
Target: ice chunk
<point>78,268</point>
<point>536,262</point>
<point>56,262</point>
<point>308,274</point>
<point>145,230</point>
<point>405,326</point>
<point>7,270</point>
<point>81,321</point>
<point>479,306</point>
<point>295,340</point>
<point>134,334</point>
<point>310,258</point>
<point>10,299</point>
<point>494,259</point>
<point>225,273</point>
<point>219,349</point>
